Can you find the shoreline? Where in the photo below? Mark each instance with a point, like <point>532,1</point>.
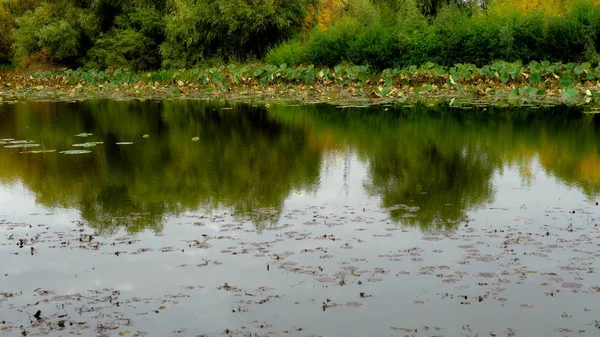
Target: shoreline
<point>459,86</point>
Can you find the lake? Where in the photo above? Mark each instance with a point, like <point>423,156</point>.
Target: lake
<point>210,218</point>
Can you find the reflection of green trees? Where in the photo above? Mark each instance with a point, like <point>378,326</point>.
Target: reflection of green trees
<point>249,159</point>
<point>442,160</point>
<point>243,161</point>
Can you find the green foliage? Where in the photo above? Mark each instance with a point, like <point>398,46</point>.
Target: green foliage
<point>6,26</point>
<point>330,47</point>
<point>123,48</point>
<point>9,11</point>
<point>60,29</point>
<point>228,29</point>
<point>289,52</point>
<point>132,43</point>
<point>428,8</point>
<point>577,33</point>
<point>456,34</point>
<point>176,34</point>
<point>363,36</point>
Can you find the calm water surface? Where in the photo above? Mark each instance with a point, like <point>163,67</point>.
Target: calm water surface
<point>195,218</point>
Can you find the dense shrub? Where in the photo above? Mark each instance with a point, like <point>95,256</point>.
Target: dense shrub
<point>148,34</point>
<point>363,35</point>
<point>6,26</point>
<point>576,36</point>
<point>289,52</point>
<point>228,29</point>
<point>9,11</point>
<point>132,43</point>
<point>59,29</point>
<point>456,35</point>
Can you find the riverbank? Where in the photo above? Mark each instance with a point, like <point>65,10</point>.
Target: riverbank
<point>464,85</point>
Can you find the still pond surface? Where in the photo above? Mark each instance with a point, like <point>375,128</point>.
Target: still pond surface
<point>195,218</point>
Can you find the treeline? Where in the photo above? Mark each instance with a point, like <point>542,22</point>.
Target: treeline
<point>175,34</point>
<point>143,34</point>
<point>510,30</point>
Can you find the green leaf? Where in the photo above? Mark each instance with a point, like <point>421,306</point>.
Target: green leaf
<point>565,82</point>
<point>527,91</point>
<point>146,136</point>
<point>570,94</point>
<point>84,134</point>
<point>535,79</point>
<point>195,139</point>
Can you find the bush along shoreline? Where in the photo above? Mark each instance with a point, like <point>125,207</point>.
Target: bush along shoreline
<point>462,85</point>
<point>147,35</point>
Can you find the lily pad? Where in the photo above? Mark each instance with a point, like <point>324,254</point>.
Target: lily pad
<point>37,151</point>
<point>84,134</point>
<point>76,152</point>
<point>88,144</point>
<point>195,139</point>
<point>20,141</point>
<point>21,146</point>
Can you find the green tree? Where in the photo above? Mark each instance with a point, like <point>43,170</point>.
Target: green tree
<point>227,29</point>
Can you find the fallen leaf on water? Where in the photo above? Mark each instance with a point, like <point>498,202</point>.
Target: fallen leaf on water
<point>75,152</point>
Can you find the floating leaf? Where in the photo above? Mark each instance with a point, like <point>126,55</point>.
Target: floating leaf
<point>570,94</point>
<point>76,152</point>
<point>146,136</point>
<point>21,146</point>
<point>195,139</point>
<point>84,134</point>
<point>88,144</point>
<point>124,143</point>
<point>37,151</point>
<point>565,82</point>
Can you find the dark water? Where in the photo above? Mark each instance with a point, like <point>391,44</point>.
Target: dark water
<point>303,221</point>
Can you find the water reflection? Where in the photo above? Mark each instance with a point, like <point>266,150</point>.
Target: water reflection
<point>428,166</point>
<point>442,161</point>
<point>243,160</point>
